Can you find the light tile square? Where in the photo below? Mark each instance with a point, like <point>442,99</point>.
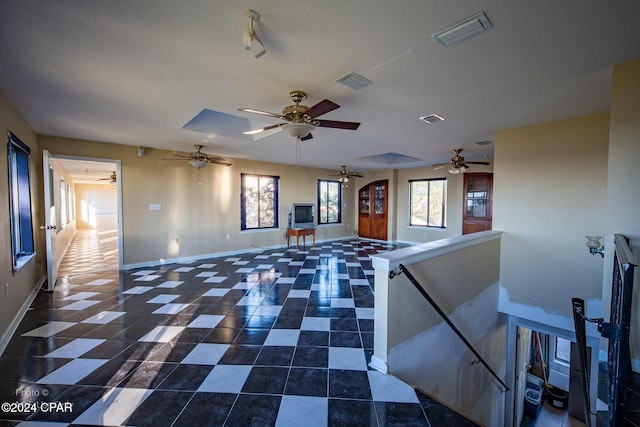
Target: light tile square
<point>244,270</point>
<point>226,379</point>
<point>75,348</point>
<point>284,260</point>
<point>239,262</point>
<point>99,282</point>
<point>207,265</point>
<point>171,309</point>
<point>316,324</point>
<point>183,269</point>
<point>114,407</point>
<point>215,292</point>
<point>205,354</point>
<point>215,279</point>
<point>305,411</point>
<point>137,290</point>
<point>307,271</point>
<point>79,305</point>
<point>386,388</point>
<point>358,282</point>
<point>264,266</point>
<point>162,299</point>
<point>286,281</point>
<point>80,296</point>
<point>50,329</point>
<point>104,317</point>
<point>285,337</point>
<point>148,278</point>
<point>72,372</point>
<point>206,321</point>
<point>365,313</point>
<point>342,303</point>
<point>170,284</point>
<point>347,358</point>
<point>299,293</point>
<point>162,334</point>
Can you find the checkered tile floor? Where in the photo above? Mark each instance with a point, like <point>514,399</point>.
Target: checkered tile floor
<point>279,337</point>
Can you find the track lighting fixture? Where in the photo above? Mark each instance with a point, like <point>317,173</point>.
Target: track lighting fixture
<point>251,40</point>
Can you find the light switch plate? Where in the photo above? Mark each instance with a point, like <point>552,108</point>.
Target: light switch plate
<point>155,207</point>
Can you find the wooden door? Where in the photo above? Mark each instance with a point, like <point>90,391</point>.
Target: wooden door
<point>372,210</point>
<point>477,204</point>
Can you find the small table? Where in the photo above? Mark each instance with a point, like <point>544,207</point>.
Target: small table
<point>301,232</point>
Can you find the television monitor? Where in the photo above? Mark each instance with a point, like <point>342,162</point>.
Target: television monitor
<point>302,215</point>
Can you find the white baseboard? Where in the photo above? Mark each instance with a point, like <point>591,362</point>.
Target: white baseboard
<point>378,364</point>
<point>13,326</point>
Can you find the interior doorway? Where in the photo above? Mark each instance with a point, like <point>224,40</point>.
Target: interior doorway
<point>83,207</point>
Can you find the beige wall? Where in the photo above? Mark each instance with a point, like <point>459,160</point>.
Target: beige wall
<point>550,185</point>
<point>21,283</point>
<point>199,207</point>
<point>623,194</point>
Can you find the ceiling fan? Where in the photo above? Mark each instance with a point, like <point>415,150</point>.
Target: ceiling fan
<point>113,178</point>
<point>457,163</point>
<point>345,175</point>
<point>198,159</point>
<point>300,119</point>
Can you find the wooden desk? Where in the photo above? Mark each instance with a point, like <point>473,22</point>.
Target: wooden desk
<point>301,232</point>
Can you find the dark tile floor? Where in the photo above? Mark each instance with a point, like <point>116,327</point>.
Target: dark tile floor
<point>276,337</point>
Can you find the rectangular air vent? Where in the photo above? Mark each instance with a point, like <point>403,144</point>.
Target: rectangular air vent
<point>354,81</point>
<point>432,118</point>
<point>463,30</point>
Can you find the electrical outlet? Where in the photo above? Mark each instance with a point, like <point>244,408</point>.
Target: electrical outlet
<point>155,207</point>
<point>228,236</point>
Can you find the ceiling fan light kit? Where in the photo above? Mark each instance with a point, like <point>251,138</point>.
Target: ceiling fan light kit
<point>458,165</point>
<point>251,40</point>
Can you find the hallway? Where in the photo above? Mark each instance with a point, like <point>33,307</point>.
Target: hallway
<point>91,250</point>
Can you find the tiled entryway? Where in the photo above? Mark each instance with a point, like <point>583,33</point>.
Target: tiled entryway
<point>275,337</point>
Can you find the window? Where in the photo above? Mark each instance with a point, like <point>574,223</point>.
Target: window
<point>259,201</point>
<point>562,351</point>
<point>427,202</point>
<point>19,201</point>
<point>329,202</point>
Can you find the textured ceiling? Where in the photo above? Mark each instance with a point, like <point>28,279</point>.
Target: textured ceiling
<point>136,72</point>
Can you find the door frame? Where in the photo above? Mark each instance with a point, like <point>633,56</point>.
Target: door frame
<point>47,155</point>
<point>593,342</point>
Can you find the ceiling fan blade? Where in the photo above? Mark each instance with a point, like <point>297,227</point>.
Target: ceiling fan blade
<point>355,174</point>
<point>219,162</point>
<point>338,124</point>
<point>322,107</point>
<point>254,131</point>
<point>264,113</point>
<point>479,163</point>
<point>308,136</point>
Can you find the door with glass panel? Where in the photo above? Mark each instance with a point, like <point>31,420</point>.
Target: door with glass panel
<point>477,209</point>
<point>372,211</point>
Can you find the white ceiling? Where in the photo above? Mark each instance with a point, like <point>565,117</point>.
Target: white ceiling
<point>135,72</point>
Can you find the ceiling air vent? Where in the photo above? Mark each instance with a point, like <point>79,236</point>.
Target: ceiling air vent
<point>354,81</point>
<point>463,30</point>
<point>432,118</point>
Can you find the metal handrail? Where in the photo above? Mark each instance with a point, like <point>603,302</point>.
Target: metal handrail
<point>442,314</point>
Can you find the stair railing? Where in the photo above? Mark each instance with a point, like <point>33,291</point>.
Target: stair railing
<point>453,327</point>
